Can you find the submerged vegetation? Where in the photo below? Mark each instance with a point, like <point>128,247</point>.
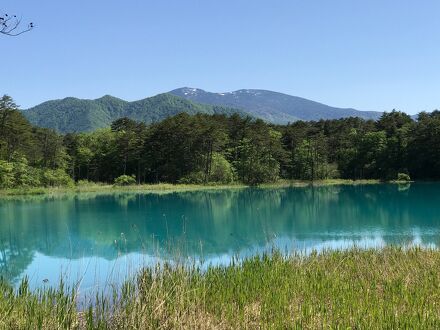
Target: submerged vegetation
<point>392,287</point>
<point>218,149</point>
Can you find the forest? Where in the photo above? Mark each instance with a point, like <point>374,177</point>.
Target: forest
<point>218,148</point>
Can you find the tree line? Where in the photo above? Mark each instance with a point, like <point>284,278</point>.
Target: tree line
<point>219,149</point>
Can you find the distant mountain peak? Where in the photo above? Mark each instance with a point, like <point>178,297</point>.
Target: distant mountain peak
<point>109,98</point>
<point>188,91</point>
<point>76,115</point>
<point>272,106</point>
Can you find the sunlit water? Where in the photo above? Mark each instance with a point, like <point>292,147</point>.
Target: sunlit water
<point>102,239</point>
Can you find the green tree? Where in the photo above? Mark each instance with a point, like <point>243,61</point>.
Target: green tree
<point>370,155</point>
<point>7,179</point>
<point>310,160</point>
<point>424,147</point>
<point>52,151</point>
<point>256,154</point>
<point>172,149</point>
<point>56,178</point>
<point>25,175</point>
<point>15,130</point>
<point>129,144</point>
<point>221,170</point>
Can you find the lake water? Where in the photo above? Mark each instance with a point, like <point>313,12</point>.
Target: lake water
<point>103,238</point>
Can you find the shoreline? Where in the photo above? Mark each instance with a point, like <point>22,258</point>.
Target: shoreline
<point>171,188</point>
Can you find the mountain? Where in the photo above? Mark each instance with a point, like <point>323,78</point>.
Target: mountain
<point>79,115</point>
<point>272,106</point>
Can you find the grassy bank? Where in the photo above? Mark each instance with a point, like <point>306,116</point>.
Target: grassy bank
<point>389,288</point>
<point>167,187</point>
<point>106,188</point>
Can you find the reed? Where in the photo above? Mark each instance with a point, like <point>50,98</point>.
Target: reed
<point>387,288</point>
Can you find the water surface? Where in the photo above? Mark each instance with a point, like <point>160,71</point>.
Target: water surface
<point>103,238</point>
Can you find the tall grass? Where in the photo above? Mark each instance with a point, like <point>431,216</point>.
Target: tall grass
<point>387,288</point>
<point>42,309</point>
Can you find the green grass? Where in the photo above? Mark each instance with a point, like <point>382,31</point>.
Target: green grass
<point>106,188</point>
<point>325,182</point>
<point>168,187</point>
<point>362,289</point>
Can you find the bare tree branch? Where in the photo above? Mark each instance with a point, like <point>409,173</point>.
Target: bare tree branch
<point>11,25</point>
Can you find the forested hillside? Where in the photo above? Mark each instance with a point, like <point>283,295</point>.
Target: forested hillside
<point>78,115</point>
<point>217,148</point>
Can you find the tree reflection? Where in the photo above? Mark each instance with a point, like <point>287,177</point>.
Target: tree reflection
<point>210,223</point>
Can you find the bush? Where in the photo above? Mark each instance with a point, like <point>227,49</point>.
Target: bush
<point>197,177</point>
<point>328,171</point>
<point>125,180</point>
<point>56,178</point>
<point>25,175</point>
<point>403,177</point>
<point>7,179</point>
<point>221,172</point>
<point>83,183</point>
<point>18,174</point>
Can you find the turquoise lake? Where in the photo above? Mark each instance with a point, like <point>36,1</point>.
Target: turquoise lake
<point>103,238</point>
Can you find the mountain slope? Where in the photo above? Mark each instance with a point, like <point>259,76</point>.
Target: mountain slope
<point>272,106</point>
<point>78,115</point>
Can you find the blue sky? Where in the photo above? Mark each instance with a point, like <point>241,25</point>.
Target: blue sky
<point>370,55</point>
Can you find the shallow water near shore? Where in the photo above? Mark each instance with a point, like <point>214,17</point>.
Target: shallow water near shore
<point>102,239</point>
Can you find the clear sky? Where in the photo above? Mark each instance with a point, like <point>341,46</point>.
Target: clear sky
<point>370,55</point>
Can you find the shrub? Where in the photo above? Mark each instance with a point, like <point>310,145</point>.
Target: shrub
<point>125,180</point>
<point>328,171</point>
<point>82,183</point>
<point>25,175</point>
<point>403,177</point>
<point>221,172</point>
<point>56,178</point>
<point>19,174</point>
<point>197,177</point>
<point>7,179</point>
<point>221,169</point>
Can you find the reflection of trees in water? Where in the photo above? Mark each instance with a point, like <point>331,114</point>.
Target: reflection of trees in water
<point>210,222</point>
<point>403,187</point>
<point>13,257</point>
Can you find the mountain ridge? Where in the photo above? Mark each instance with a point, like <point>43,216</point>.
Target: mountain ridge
<point>73,114</point>
<point>272,106</point>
